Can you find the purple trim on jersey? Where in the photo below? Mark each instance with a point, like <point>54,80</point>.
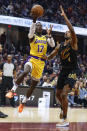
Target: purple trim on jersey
<point>34,57</point>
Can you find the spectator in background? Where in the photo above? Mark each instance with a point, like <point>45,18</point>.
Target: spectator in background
<point>54,82</point>
<point>48,69</point>
<point>71,99</point>
<point>43,79</point>
<point>47,83</point>
<point>3,38</point>
<point>82,94</point>
<point>75,9</point>
<point>10,8</point>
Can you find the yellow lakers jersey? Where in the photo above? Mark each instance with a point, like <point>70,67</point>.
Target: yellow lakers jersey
<point>38,47</point>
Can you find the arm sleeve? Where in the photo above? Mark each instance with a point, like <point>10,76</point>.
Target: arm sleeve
<point>51,42</point>
<point>32,31</point>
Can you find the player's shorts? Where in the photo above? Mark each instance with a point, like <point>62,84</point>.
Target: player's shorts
<point>37,67</point>
<point>67,76</point>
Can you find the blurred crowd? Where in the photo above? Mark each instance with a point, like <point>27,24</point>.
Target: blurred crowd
<point>76,10</point>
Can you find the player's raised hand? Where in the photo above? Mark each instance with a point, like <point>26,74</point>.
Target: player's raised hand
<point>49,30</point>
<point>62,11</point>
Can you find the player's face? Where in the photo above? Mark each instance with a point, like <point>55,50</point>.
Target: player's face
<point>67,35</point>
<point>38,28</point>
<point>9,58</point>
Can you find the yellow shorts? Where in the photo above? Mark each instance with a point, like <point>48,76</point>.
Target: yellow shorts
<point>37,68</point>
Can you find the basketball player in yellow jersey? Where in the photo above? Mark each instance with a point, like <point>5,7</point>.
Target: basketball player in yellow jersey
<point>35,63</point>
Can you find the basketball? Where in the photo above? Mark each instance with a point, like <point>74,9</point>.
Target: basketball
<point>37,10</point>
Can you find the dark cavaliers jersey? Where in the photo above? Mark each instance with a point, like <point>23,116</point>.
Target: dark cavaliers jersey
<point>68,56</point>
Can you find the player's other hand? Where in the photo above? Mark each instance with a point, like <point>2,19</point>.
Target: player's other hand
<point>62,11</point>
<point>49,30</point>
<point>45,57</point>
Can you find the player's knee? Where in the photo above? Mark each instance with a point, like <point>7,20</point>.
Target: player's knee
<point>27,67</point>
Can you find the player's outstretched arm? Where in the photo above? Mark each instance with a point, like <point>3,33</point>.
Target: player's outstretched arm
<point>53,53</point>
<point>32,28</point>
<point>71,29</point>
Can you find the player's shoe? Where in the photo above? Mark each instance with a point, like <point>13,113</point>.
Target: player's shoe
<point>22,104</point>
<point>21,107</point>
<point>9,94</point>
<point>64,123</point>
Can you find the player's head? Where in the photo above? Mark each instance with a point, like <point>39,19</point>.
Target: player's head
<point>38,28</point>
<point>9,58</point>
<point>67,35</point>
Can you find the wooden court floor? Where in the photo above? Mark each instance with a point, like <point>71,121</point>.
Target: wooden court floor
<point>42,119</point>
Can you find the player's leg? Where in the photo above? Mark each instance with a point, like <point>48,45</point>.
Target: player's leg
<point>36,74</point>
<point>27,69</point>
<point>65,100</point>
<point>64,94</point>
<point>29,92</point>
<point>59,89</point>
<point>59,98</point>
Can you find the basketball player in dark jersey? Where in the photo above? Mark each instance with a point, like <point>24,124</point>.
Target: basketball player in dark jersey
<point>67,52</point>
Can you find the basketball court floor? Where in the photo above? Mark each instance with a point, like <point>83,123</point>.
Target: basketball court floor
<point>42,119</point>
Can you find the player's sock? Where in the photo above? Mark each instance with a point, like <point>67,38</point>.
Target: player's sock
<point>14,87</point>
<point>24,100</point>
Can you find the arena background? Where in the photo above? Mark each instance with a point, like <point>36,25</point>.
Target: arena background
<point>15,41</point>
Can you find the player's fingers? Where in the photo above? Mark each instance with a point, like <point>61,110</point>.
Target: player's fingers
<point>61,7</point>
<point>51,27</point>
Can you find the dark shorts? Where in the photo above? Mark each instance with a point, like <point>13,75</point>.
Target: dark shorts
<point>67,76</point>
